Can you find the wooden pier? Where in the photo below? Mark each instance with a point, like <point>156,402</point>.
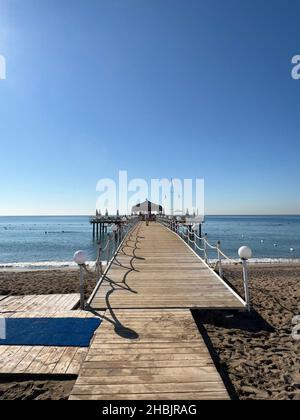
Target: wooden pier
<point>156,269</point>
<point>148,346</point>
<point>101,224</point>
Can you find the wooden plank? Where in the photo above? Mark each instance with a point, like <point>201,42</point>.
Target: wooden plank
<point>24,364</point>
<point>211,395</point>
<point>65,361</point>
<point>188,372</point>
<point>77,361</point>
<point>39,303</point>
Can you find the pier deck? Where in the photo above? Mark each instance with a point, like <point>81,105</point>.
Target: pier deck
<point>148,346</point>
<point>148,355</point>
<point>156,269</point>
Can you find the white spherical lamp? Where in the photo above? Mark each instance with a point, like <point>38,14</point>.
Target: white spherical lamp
<point>80,257</point>
<point>195,227</point>
<point>245,253</point>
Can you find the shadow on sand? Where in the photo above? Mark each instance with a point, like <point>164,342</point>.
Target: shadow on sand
<point>230,320</point>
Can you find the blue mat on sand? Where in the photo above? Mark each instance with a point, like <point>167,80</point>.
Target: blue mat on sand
<point>69,332</point>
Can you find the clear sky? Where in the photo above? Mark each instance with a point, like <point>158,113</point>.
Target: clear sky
<point>161,88</point>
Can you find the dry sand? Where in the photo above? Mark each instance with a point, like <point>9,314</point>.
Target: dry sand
<point>255,354</point>
<point>35,388</point>
<point>44,282</point>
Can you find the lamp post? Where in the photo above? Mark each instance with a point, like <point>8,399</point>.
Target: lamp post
<point>80,257</point>
<point>123,226</point>
<point>220,259</point>
<point>205,247</point>
<point>114,229</point>
<point>195,229</point>
<point>245,253</point>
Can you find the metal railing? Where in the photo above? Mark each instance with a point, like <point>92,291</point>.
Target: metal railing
<point>198,243</point>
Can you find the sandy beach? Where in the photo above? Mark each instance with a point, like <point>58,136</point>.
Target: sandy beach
<point>255,354</point>
<point>42,282</point>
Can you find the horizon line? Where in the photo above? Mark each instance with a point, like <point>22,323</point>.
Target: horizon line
<point>91,215</point>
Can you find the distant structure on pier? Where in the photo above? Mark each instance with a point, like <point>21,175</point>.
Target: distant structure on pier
<point>145,211</point>
<point>101,223</point>
<point>146,208</point>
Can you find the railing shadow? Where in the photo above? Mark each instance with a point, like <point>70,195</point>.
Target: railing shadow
<point>119,328</point>
<point>234,320</point>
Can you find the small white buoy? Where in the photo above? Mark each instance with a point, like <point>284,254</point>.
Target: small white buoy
<point>262,241</point>
<point>292,250</point>
<point>275,245</point>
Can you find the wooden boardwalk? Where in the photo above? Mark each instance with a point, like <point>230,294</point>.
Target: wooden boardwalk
<point>148,347</point>
<point>156,269</point>
<point>148,355</point>
<point>38,360</point>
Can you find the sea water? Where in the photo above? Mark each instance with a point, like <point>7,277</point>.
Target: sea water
<point>42,242</point>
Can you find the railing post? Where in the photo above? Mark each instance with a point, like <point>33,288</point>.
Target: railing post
<point>108,249</point>
<point>176,227</point>
<point>99,262</point>
<point>245,254</point>
<point>205,247</point>
<point>80,258</point>
<point>220,259</point>
<point>81,288</point>
<point>246,284</point>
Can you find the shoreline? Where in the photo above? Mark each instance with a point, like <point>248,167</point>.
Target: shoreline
<point>71,266</point>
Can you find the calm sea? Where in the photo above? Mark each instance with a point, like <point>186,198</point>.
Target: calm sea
<point>52,241</point>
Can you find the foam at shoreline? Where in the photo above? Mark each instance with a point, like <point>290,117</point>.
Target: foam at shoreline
<point>43,265</point>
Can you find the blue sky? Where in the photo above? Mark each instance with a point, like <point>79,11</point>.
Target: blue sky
<point>161,88</point>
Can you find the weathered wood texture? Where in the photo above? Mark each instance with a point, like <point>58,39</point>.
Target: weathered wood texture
<point>151,355</point>
<point>40,303</point>
<point>156,269</point>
